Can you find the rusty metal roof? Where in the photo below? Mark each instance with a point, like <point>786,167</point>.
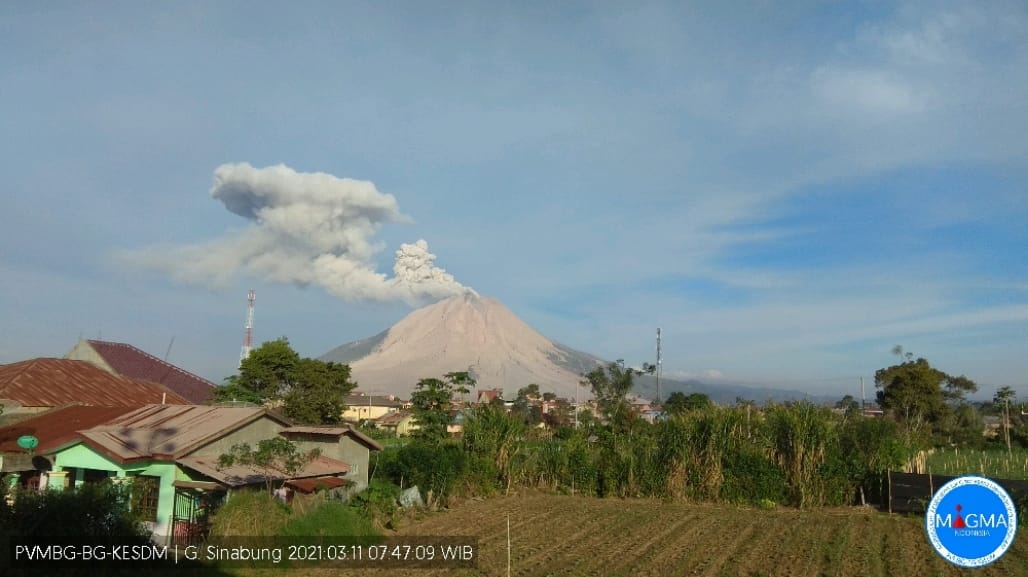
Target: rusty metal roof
<point>57,427</point>
<point>395,418</point>
<point>237,475</point>
<point>60,382</point>
<point>131,362</point>
<point>315,483</point>
<point>335,432</point>
<point>168,431</point>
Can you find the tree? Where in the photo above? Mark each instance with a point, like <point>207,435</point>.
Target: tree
<point>312,391</point>
<point>1002,398</point>
<point>610,387</point>
<point>848,405</point>
<point>526,405</point>
<point>461,382</point>
<point>317,392</point>
<point>431,403</point>
<point>678,402</point>
<point>273,458</point>
<point>917,394</point>
<point>561,415</point>
<point>269,370</point>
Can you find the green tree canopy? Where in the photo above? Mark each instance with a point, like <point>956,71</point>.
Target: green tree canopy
<point>678,402</point>
<point>610,386</point>
<point>271,458</point>
<point>526,405</point>
<point>312,391</point>
<point>431,403</point>
<point>918,394</point>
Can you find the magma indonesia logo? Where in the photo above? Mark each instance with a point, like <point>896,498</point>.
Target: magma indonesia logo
<point>971,521</point>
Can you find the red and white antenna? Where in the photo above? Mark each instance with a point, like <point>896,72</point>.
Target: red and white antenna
<point>248,330</point>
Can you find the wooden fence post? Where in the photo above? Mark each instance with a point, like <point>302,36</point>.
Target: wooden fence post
<point>890,492</point>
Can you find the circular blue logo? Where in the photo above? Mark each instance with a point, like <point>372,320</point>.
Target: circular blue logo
<point>971,521</point>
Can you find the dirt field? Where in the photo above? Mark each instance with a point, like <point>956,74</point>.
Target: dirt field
<point>554,535</point>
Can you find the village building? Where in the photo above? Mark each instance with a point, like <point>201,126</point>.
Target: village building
<point>129,361</point>
<point>170,454</point>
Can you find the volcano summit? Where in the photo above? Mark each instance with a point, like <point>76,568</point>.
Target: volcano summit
<point>463,333</point>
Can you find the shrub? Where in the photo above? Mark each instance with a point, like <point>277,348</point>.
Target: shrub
<point>99,510</point>
<point>434,468</point>
<point>751,477</point>
<point>377,503</point>
<point>250,513</point>
<point>328,518</point>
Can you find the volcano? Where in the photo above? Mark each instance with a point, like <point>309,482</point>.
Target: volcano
<point>463,333</point>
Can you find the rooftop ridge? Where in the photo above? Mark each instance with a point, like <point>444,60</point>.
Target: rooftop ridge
<point>151,357</point>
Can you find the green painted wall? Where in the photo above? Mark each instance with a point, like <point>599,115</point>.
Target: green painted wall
<point>82,457</point>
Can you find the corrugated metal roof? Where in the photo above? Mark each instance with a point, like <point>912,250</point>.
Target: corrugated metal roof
<point>336,432</point>
<point>361,400</point>
<point>60,382</point>
<point>131,362</point>
<point>237,475</point>
<point>167,430</point>
<point>389,419</point>
<point>57,427</point>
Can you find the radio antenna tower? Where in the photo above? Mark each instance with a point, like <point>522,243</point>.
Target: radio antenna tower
<point>248,330</point>
<point>660,399</point>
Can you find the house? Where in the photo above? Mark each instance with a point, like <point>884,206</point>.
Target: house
<point>486,396</point>
<point>53,429</point>
<point>172,451</point>
<point>362,407</point>
<point>400,423</point>
<point>126,360</point>
<point>37,385</point>
<point>993,426</point>
<point>343,443</point>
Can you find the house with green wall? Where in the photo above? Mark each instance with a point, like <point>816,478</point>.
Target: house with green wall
<point>169,453</point>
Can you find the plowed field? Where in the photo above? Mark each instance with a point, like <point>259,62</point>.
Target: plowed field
<point>559,535</point>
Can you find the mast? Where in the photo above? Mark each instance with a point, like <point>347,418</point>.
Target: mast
<point>248,329</point>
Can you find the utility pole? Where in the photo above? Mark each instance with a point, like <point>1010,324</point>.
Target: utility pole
<point>660,399</point>
<point>863,405</point>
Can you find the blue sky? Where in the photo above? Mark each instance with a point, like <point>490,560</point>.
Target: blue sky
<point>788,191</point>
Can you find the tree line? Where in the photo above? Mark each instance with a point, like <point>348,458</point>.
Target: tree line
<point>793,453</point>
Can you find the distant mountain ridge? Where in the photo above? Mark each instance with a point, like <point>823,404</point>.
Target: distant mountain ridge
<point>480,335</point>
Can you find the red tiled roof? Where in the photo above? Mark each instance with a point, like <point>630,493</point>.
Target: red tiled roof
<point>56,427</point>
<point>60,382</point>
<point>131,362</point>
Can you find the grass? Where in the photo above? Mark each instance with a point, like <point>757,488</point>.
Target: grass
<point>329,518</point>
<point>992,463</point>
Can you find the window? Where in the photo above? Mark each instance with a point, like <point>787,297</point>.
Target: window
<point>146,491</point>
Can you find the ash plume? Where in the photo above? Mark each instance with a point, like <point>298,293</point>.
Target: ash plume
<point>307,228</point>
